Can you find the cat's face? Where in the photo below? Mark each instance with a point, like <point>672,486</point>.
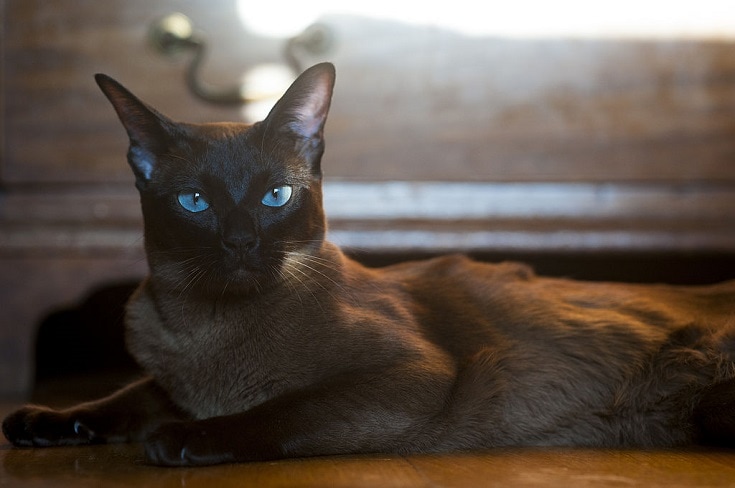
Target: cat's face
<point>225,205</point>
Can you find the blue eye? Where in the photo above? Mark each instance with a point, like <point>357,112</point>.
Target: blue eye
<point>193,201</point>
<point>278,196</point>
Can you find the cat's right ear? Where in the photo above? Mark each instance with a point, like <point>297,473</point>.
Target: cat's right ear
<point>148,130</point>
<point>302,112</point>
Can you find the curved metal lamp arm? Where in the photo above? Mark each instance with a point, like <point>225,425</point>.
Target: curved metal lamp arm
<point>175,32</point>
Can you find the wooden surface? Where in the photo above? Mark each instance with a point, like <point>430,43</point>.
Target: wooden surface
<point>122,465</point>
<point>102,466</point>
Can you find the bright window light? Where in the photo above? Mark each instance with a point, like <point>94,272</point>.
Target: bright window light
<point>708,19</point>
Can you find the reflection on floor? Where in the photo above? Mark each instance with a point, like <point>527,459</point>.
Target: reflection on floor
<point>123,466</point>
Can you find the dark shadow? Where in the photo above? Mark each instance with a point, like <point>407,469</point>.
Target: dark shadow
<point>84,343</point>
<point>671,268</point>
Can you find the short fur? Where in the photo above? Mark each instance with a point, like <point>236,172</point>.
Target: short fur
<point>261,340</point>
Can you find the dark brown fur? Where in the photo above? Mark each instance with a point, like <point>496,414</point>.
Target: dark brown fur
<point>262,340</point>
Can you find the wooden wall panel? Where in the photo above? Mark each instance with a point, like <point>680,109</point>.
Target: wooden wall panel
<point>445,106</point>
<point>59,127</point>
<point>412,102</point>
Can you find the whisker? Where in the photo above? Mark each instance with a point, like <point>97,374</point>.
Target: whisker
<point>327,263</point>
<point>192,278</point>
<point>176,156</point>
<point>313,263</point>
<point>224,289</point>
<point>307,287</point>
<point>291,286</point>
<point>295,263</point>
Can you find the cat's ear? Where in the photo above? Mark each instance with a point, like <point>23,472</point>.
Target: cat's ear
<point>148,130</point>
<point>302,111</point>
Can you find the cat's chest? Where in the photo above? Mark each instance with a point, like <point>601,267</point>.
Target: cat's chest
<point>209,360</point>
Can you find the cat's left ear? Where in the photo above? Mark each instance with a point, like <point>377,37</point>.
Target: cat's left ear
<point>149,131</point>
<point>302,112</point>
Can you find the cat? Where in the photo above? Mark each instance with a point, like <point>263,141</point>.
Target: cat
<point>261,340</point>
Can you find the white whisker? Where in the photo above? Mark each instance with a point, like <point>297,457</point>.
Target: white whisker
<point>313,263</point>
<point>292,287</point>
<point>305,284</point>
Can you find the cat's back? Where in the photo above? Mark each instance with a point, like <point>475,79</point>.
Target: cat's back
<point>509,299</point>
<point>457,269</point>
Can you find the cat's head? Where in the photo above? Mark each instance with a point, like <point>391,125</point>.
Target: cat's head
<point>225,204</point>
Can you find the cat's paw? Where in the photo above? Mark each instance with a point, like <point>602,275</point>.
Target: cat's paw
<point>41,427</point>
<point>185,444</point>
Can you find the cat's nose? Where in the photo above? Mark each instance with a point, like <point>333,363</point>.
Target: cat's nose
<point>238,233</point>
<point>240,243</point>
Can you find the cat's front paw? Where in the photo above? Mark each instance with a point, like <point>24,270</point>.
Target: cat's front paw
<point>185,444</point>
<point>41,427</point>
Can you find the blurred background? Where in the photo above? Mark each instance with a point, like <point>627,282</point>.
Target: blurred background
<point>592,140</point>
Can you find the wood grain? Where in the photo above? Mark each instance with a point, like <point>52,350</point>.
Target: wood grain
<point>412,102</point>
<point>121,465</point>
<point>579,468</point>
<point>411,217</point>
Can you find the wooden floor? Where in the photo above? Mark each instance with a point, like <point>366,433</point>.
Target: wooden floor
<point>123,466</point>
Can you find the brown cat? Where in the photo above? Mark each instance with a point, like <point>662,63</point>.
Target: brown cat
<point>262,340</point>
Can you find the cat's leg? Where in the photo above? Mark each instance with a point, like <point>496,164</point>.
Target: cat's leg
<point>127,415</point>
<point>361,417</point>
<point>715,414</point>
